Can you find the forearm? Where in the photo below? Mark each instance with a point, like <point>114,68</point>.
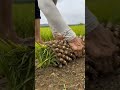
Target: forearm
<point>55,19</point>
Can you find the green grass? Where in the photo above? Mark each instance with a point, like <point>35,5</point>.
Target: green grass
<point>47,35</point>
<point>44,56</point>
<point>17,65</point>
<point>105,10</point>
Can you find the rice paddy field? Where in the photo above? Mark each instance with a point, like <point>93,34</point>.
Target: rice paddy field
<point>47,35</point>
<point>23,19</point>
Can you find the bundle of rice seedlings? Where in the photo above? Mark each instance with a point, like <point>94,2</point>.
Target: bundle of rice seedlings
<point>63,52</point>
<point>55,52</point>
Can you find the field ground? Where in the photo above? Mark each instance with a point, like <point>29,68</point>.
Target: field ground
<point>70,77</point>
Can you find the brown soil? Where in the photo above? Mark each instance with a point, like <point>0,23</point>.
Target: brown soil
<point>70,77</point>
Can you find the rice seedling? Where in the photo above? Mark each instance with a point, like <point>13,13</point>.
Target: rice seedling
<point>44,56</point>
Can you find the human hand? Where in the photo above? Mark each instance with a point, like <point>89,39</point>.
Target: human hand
<point>100,43</point>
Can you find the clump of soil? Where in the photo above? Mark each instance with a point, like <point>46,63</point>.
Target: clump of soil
<point>70,77</point>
